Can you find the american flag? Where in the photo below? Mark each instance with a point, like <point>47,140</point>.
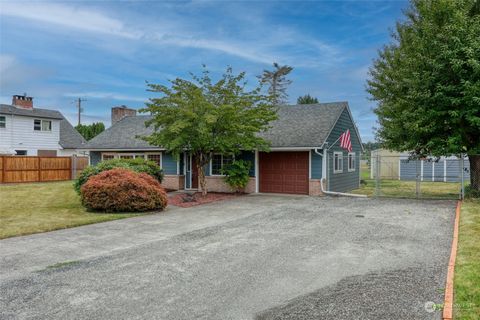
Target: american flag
<point>345,141</point>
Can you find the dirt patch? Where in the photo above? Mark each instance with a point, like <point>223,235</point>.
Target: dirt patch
<point>186,200</point>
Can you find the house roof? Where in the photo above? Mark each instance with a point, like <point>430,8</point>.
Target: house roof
<point>35,112</point>
<point>303,125</point>
<point>297,126</point>
<point>69,137</point>
<point>123,135</point>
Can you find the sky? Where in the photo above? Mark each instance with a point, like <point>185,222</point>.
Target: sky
<point>106,51</point>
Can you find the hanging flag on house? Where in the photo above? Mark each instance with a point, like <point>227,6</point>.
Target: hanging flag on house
<point>345,141</point>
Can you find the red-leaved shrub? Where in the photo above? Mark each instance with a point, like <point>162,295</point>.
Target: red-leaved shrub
<point>123,190</point>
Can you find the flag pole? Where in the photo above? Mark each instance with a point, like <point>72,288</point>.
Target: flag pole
<point>335,142</point>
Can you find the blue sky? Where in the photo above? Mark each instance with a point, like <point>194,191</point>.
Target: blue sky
<point>104,51</point>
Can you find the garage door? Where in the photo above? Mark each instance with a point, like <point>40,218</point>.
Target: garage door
<point>284,172</point>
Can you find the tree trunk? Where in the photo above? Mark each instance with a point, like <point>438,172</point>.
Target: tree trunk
<point>201,179</point>
<point>474,171</point>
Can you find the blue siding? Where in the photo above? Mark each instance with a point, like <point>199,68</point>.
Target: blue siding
<point>95,157</point>
<point>438,175</point>
<point>345,181</point>
<point>408,169</point>
<point>427,170</point>
<point>316,163</point>
<point>169,163</point>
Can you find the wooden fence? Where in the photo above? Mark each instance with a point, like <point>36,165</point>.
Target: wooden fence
<point>15,169</point>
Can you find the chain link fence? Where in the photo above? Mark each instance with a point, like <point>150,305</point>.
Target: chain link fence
<point>403,177</point>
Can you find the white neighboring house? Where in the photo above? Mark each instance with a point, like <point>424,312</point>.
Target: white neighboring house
<point>25,130</point>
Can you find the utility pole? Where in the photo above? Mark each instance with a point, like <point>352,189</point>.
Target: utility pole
<point>79,108</point>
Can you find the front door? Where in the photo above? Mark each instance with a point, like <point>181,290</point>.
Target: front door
<point>194,173</point>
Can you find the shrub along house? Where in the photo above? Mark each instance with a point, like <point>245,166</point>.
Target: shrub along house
<point>305,147</point>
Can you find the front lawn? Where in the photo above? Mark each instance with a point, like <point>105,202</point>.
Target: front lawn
<point>467,268</point>
<point>38,207</point>
<point>406,189</point>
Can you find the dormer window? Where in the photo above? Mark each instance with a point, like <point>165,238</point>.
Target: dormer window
<point>42,125</point>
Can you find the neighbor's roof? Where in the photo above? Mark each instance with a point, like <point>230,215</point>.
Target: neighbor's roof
<point>35,112</point>
<point>69,137</point>
<point>305,125</point>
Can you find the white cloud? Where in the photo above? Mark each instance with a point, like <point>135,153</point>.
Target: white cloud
<point>255,47</point>
<point>66,16</point>
<point>104,95</point>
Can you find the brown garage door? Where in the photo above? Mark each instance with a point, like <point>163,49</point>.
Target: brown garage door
<point>284,172</point>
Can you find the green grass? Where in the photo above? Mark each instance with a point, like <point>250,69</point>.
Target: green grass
<point>28,208</point>
<point>467,268</point>
<point>406,189</point>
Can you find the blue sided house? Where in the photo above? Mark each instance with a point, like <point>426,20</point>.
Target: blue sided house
<point>305,148</point>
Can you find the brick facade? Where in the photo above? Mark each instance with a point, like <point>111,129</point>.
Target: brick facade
<point>314,188</point>
<point>174,182</point>
<point>218,184</point>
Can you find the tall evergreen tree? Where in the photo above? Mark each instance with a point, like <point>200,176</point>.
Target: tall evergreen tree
<point>427,82</point>
<point>307,99</point>
<point>277,81</point>
<point>89,131</point>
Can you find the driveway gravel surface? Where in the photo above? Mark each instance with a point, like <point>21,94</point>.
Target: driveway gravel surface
<point>252,257</point>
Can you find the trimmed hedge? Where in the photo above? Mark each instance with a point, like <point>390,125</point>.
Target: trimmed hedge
<point>123,190</point>
<point>137,165</point>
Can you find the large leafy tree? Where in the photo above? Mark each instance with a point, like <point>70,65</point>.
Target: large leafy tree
<point>307,99</point>
<point>204,117</point>
<point>277,81</point>
<point>427,82</point>
<point>89,131</point>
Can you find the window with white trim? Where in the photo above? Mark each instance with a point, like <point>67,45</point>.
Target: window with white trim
<point>42,125</point>
<point>219,162</point>
<point>3,122</point>
<point>337,162</point>
<point>351,161</point>
<point>157,158</point>
<point>107,156</point>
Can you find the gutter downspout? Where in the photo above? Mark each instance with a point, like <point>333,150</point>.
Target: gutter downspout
<point>340,193</point>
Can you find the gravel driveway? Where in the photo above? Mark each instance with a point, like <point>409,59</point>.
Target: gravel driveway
<point>255,257</point>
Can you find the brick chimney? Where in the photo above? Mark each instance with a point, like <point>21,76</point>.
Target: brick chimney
<point>120,112</point>
<point>22,102</point>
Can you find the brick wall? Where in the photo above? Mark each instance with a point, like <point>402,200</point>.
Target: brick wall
<point>218,184</point>
<point>173,182</point>
<point>314,187</point>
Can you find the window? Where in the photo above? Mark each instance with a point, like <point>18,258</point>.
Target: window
<point>37,125</point>
<point>157,158</point>
<point>3,122</point>
<point>108,156</point>
<point>337,162</point>
<point>351,161</point>
<point>126,156</point>
<point>20,152</point>
<point>219,162</point>
<point>42,125</point>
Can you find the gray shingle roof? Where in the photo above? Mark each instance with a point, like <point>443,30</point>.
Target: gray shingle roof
<point>123,134</point>
<point>36,112</point>
<point>297,126</point>
<point>303,125</point>
<point>69,136</point>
